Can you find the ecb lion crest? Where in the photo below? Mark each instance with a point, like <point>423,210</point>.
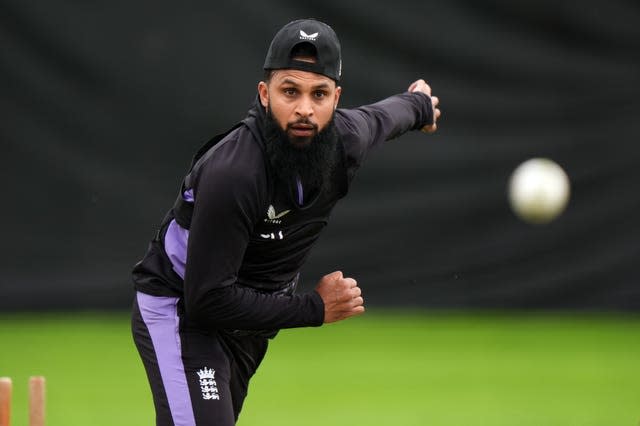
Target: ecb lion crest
<point>208,385</point>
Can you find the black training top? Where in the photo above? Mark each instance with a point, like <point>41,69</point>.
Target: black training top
<point>247,238</point>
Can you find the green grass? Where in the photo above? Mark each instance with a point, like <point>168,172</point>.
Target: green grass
<point>385,368</point>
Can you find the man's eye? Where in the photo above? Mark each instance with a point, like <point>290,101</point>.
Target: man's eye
<point>289,92</point>
<point>320,94</point>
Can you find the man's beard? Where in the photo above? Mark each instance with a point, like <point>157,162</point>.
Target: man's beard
<point>310,159</point>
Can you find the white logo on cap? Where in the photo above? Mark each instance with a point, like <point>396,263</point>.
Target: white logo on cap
<point>305,36</point>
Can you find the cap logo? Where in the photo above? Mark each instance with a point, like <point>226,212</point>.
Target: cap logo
<point>310,37</point>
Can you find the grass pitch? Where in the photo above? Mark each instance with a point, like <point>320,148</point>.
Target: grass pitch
<point>384,368</point>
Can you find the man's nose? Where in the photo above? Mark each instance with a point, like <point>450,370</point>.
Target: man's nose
<point>304,107</point>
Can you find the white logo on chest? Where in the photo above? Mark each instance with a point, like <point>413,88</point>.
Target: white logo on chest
<point>273,236</point>
<point>273,217</point>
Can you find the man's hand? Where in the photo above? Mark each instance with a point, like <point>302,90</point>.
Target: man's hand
<point>422,86</point>
<point>341,296</point>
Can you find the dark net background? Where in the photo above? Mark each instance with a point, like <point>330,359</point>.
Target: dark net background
<point>103,104</point>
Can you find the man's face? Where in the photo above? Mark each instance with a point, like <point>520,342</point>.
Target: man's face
<point>301,102</point>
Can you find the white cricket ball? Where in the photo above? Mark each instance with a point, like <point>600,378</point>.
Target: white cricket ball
<point>538,190</point>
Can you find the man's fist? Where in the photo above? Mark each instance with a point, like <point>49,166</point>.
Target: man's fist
<point>422,86</point>
<point>341,296</point>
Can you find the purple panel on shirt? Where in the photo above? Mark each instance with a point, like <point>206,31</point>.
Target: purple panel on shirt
<point>300,195</point>
<point>188,195</point>
<point>175,241</point>
<point>161,318</point>
<point>175,245</point>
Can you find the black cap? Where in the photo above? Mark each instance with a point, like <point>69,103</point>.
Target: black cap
<point>319,35</point>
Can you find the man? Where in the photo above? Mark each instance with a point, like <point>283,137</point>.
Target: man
<point>218,280</point>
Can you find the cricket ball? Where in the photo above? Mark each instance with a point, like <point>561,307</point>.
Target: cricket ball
<point>539,191</point>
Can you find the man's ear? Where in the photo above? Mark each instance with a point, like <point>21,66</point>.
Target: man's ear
<point>337,97</point>
<point>263,91</point>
